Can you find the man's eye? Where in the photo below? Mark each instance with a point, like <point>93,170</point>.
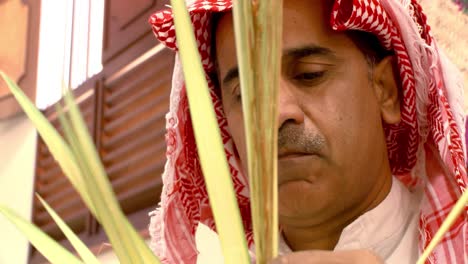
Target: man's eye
<point>236,93</point>
<point>309,76</point>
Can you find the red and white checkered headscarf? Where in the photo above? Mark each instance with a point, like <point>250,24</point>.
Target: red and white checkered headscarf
<point>426,148</point>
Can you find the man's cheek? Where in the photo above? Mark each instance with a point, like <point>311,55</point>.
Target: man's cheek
<point>236,129</point>
<point>242,150</point>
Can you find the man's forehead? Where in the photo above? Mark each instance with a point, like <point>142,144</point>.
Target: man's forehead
<point>303,20</point>
<point>318,9</point>
<point>305,30</point>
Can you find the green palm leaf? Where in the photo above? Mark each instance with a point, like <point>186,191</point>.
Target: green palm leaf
<point>81,164</point>
<point>127,244</point>
<point>79,246</point>
<point>51,137</point>
<point>48,247</point>
<point>457,209</point>
<point>210,148</point>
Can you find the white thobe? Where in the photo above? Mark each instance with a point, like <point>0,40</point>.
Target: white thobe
<point>390,230</point>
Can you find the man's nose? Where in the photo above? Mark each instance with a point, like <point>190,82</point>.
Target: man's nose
<point>289,107</point>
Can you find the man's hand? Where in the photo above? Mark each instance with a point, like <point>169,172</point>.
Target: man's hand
<point>329,257</point>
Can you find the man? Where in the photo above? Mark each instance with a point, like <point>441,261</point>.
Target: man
<point>371,157</point>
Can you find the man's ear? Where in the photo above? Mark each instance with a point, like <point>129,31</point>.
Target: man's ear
<point>386,90</point>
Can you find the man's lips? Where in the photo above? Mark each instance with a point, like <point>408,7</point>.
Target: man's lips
<point>292,155</point>
<point>282,155</point>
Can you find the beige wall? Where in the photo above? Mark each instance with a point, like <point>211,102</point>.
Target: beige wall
<point>13,45</point>
<point>17,154</point>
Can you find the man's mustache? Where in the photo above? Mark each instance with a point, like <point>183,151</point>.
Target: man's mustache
<point>294,138</point>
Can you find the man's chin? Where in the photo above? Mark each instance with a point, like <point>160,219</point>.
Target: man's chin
<point>300,197</point>
<point>300,216</point>
<point>295,187</point>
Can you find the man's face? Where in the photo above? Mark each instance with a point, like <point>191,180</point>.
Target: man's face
<point>332,152</point>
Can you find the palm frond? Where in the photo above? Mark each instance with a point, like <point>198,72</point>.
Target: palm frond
<point>81,163</point>
<point>82,250</point>
<point>258,27</point>
<point>49,248</point>
<point>459,207</point>
<point>210,148</point>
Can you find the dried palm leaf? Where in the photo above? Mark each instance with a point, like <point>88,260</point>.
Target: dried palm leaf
<point>258,29</point>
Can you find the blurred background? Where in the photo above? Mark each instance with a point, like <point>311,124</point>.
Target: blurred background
<point>105,51</point>
<point>449,23</point>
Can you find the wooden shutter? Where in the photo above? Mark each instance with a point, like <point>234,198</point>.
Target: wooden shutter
<point>53,186</point>
<point>126,28</point>
<point>133,131</point>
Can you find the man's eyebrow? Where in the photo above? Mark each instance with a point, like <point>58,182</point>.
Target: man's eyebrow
<point>309,50</point>
<point>232,74</point>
